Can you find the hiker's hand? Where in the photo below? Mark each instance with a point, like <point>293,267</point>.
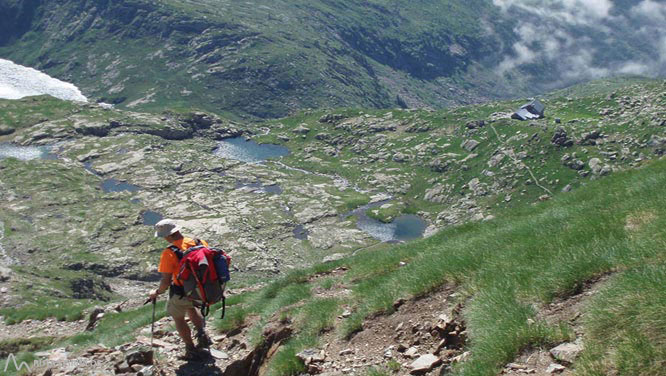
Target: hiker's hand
<point>153,295</point>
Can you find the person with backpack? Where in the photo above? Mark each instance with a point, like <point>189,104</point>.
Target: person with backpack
<point>178,304</point>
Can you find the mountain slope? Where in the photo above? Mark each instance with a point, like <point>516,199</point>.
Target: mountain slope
<point>267,58</point>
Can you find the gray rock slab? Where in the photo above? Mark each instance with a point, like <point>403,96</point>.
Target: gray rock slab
<point>424,364</point>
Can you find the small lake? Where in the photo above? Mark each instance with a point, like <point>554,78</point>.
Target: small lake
<point>300,232</point>
<point>240,149</point>
<point>258,187</point>
<point>25,153</point>
<point>150,218</point>
<point>113,185</point>
<point>403,228</point>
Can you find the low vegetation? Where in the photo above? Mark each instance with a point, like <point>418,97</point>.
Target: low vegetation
<point>505,270</point>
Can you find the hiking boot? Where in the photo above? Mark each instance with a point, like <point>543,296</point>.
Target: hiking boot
<point>203,341</point>
<point>191,353</point>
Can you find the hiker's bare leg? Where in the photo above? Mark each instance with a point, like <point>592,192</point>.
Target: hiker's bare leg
<point>196,318</point>
<point>184,331</point>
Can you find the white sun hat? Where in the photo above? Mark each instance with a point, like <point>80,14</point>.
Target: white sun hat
<point>165,228</point>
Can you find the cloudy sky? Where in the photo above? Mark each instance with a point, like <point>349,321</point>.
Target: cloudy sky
<point>560,32</point>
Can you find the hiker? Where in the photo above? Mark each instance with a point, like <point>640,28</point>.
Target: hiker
<point>178,305</point>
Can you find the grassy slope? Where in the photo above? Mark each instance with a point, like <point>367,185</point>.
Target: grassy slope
<point>506,268</point>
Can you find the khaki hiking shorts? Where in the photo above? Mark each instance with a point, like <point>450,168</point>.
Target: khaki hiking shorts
<point>177,307</point>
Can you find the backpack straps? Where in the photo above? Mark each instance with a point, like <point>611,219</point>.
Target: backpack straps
<point>177,251</point>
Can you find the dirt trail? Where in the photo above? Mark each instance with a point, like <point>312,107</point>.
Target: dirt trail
<point>418,327</point>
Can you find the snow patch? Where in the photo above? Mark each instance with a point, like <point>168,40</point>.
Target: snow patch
<point>17,81</point>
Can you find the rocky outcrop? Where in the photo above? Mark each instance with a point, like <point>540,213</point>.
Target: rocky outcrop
<point>560,138</point>
<point>272,338</point>
<point>85,288</point>
<point>5,130</point>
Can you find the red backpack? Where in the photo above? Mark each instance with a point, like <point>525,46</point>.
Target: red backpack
<point>204,272</point>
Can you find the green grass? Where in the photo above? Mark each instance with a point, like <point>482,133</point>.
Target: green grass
<point>507,268</point>
<point>119,327</point>
<point>628,314</point>
<point>311,320</point>
<point>31,110</point>
<point>61,309</point>
<point>352,200</point>
<point>16,345</point>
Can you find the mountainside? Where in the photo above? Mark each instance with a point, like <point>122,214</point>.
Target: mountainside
<point>268,58</point>
<point>82,185</point>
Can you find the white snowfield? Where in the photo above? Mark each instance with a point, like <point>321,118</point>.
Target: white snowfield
<point>17,81</point>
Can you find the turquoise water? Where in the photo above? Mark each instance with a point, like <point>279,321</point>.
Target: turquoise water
<point>249,151</point>
<point>403,228</point>
<point>150,218</point>
<point>113,185</point>
<point>258,187</point>
<point>301,232</point>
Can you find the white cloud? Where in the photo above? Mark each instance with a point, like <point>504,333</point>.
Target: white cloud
<point>570,11</point>
<point>650,11</point>
<point>565,34</point>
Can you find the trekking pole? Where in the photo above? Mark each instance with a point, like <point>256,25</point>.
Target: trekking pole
<point>152,323</point>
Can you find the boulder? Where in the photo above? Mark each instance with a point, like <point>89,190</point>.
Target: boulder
<point>5,274</point>
<point>495,160</point>
<point>566,352</point>
<point>560,138</point>
<point>322,136</point>
<point>143,357</point>
<point>146,371</point>
<point>301,129</point>
<point>440,164</point>
<point>589,138</point>
<point>424,364</point>
<point>593,163</point>
<point>555,368</point>
<point>412,352</point>
<point>199,120</point>
<point>575,164</point>
<point>470,145</point>
<point>217,354</point>
<point>122,367</point>
<point>477,187</point>
<point>309,356</point>
<point>399,157</point>
<point>331,118</point>
<point>5,130</point>
<point>474,124</point>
